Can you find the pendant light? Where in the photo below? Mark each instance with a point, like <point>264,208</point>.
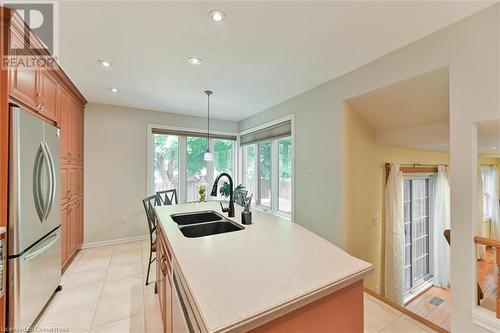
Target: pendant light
<point>208,155</point>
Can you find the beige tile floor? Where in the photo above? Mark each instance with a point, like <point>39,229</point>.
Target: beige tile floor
<point>103,291</point>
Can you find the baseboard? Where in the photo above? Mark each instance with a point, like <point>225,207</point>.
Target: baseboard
<point>115,241</point>
<point>486,319</point>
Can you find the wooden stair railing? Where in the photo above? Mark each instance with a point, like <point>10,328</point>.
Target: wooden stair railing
<point>480,294</point>
<point>495,244</point>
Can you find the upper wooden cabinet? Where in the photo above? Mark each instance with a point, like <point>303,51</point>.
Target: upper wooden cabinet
<point>47,88</point>
<point>63,102</point>
<point>34,88</point>
<point>22,82</point>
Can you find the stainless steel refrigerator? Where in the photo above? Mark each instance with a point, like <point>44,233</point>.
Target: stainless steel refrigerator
<point>34,244</point>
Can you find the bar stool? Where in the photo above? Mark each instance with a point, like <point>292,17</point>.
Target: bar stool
<point>149,204</point>
<point>167,197</point>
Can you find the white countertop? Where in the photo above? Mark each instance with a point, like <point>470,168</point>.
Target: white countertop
<point>237,277</point>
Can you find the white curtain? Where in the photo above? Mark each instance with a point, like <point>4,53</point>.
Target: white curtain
<point>394,236</point>
<point>491,187</point>
<point>441,217</point>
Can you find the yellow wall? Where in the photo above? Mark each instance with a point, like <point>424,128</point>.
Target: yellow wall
<point>363,190</point>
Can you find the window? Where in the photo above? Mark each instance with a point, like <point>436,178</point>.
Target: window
<point>267,166</point>
<point>265,170</point>
<point>487,196</point>
<point>417,233</point>
<point>179,163</point>
<point>223,160</point>
<point>196,167</point>
<point>250,170</point>
<point>285,175</point>
<point>166,162</point>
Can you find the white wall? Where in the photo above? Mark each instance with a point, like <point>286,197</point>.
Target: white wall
<point>116,167</point>
<point>470,49</point>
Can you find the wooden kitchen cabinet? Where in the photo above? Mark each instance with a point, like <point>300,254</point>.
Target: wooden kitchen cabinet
<point>63,100</point>
<point>70,120</point>
<point>64,230</point>
<point>71,227</point>
<point>47,87</point>
<point>80,229</point>
<point>34,88</point>
<point>65,184</point>
<point>73,181</point>
<point>164,282</point>
<point>79,180</point>
<point>22,82</point>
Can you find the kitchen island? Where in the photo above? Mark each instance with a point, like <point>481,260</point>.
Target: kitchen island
<point>272,276</point>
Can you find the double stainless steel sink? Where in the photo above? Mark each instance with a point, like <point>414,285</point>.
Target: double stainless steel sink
<point>204,223</point>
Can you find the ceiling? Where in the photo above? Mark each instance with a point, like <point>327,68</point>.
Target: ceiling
<point>262,54</point>
<point>489,138</point>
<point>416,102</point>
<point>414,113</point>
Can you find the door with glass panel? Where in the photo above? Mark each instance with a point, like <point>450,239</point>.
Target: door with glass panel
<point>417,230</point>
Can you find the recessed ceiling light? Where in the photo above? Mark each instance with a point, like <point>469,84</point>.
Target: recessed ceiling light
<point>113,90</point>
<point>217,15</point>
<point>104,63</point>
<point>195,61</point>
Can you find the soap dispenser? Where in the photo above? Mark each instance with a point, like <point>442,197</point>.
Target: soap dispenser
<point>246,214</point>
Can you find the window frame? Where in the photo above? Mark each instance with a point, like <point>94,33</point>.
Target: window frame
<point>274,207</point>
<point>486,195</point>
<point>182,195</point>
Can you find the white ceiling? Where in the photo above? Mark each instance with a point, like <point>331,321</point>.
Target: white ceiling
<point>416,102</point>
<point>489,138</point>
<point>414,113</point>
<point>262,54</point>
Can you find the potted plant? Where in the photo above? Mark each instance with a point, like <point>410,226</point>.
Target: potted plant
<point>239,193</point>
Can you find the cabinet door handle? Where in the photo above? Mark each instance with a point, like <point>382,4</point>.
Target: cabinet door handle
<point>163,265</point>
<point>38,105</point>
<point>43,103</point>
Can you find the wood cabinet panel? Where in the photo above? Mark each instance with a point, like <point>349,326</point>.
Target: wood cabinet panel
<point>74,129</point>
<point>80,229</point>
<point>64,231</point>
<point>63,100</point>
<point>22,82</point>
<point>71,229</point>
<point>79,180</point>
<point>48,87</point>
<point>65,185</point>
<point>73,181</point>
<point>164,282</point>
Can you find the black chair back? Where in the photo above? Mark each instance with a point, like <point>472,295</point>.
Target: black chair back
<point>149,206</point>
<point>167,197</point>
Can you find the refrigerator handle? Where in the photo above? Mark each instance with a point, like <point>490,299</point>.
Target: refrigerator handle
<point>36,253</point>
<point>37,192</point>
<point>53,185</point>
